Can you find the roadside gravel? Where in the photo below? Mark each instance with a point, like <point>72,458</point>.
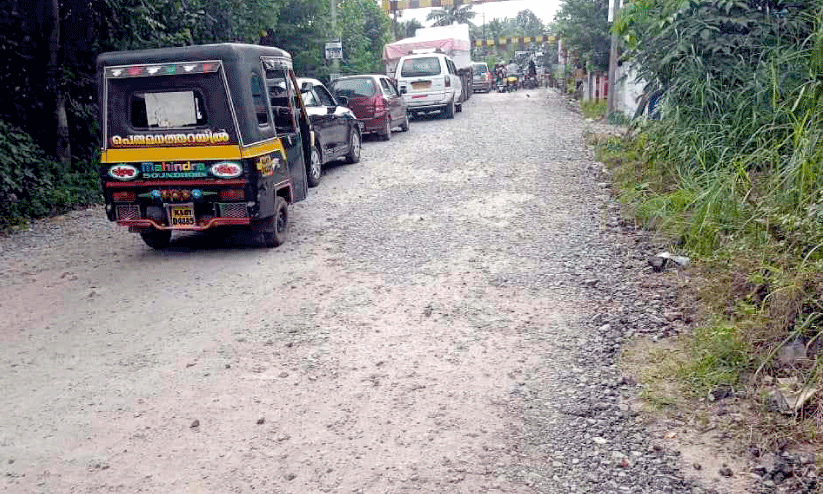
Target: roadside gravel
<point>445,318</point>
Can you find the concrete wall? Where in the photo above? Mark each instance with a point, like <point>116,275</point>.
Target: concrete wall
<point>627,90</point>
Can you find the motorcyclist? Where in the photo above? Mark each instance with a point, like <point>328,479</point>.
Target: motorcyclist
<point>513,72</point>
<point>532,69</point>
<point>500,73</point>
<point>512,68</point>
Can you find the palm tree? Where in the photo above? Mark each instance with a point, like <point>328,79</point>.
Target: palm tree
<point>461,14</point>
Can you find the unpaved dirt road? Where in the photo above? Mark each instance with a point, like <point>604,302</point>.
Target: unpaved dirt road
<point>415,335</point>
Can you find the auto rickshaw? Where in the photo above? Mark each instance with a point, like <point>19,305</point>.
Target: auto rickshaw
<point>200,137</point>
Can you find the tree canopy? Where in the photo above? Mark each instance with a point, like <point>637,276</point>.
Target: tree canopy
<point>446,16</point>
<point>583,26</point>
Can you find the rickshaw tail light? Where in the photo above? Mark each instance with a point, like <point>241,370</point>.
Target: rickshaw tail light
<point>232,195</point>
<point>124,196</point>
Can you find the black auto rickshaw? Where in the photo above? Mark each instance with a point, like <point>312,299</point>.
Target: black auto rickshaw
<point>200,137</point>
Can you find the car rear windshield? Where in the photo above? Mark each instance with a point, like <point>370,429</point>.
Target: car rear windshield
<point>420,67</point>
<point>171,109</point>
<point>480,69</point>
<point>354,88</point>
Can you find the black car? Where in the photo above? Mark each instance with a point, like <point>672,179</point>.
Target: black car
<point>337,132</point>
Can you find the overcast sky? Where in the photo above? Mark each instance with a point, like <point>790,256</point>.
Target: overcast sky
<point>545,10</point>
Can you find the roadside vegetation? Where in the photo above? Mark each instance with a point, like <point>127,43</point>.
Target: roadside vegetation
<point>729,169</point>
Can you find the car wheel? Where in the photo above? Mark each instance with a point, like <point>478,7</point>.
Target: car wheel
<point>448,112</point>
<point>386,133</point>
<point>315,168</point>
<point>404,127</point>
<point>458,108</point>
<point>157,239</point>
<point>274,229</point>
<point>354,147</point>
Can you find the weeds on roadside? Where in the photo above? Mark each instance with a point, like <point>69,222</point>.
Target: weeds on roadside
<point>734,168</point>
<point>594,109</point>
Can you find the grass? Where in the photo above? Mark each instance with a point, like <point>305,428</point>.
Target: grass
<point>718,356</point>
<point>756,274</point>
<point>594,109</point>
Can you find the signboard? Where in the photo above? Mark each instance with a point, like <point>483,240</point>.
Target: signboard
<point>334,51</point>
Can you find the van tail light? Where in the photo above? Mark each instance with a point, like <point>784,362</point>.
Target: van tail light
<point>448,81</point>
<point>124,196</point>
<point>232,195</point>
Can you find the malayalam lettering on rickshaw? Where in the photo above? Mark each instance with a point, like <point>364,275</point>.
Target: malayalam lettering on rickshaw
<point>207,137</point>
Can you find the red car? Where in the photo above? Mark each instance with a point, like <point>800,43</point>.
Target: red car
<point>376,102</point>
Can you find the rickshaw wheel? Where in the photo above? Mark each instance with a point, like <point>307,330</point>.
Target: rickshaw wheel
<point>315,168</point>
<point>404,127</point>
<point>276,228</point>
<point>157,239</point>
<point>354,147</point>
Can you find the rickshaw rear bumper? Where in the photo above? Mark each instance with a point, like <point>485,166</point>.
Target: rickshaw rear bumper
<point>148,224</point>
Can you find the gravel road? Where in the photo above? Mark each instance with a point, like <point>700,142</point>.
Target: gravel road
<point>437,323</point>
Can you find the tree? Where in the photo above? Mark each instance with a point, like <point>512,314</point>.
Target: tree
<point>55,83</point>
<point>366,28</point>
<point>407,29</point>
<point>446,16</point>
<point>528,24</point>
<point>584,28</point>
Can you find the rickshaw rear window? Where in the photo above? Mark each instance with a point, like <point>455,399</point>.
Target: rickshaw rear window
<point>420,67</point>
<point>167,110</point>
<point>354,88</point>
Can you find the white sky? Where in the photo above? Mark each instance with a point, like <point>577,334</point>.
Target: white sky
<point>544,9</point>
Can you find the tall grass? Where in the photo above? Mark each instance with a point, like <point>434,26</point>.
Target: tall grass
<point>734,167</point>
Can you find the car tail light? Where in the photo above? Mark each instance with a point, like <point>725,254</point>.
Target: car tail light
<point>232,195</point>
<point>448,81</point>
<point>380,105</point>
<point>125,196</point>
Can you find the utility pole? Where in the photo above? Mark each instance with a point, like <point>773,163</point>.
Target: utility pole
<point>610,100</point>
<point>335,64</point>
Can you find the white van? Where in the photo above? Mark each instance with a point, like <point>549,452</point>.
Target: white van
<point>429,81</point>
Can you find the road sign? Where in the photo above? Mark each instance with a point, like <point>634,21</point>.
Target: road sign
<point>334,51</point>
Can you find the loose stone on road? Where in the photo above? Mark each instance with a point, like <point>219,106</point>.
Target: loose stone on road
<point>434,324</point>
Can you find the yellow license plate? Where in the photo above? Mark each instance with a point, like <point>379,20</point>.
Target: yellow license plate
<point>182,215</point>
<point>421,85</point>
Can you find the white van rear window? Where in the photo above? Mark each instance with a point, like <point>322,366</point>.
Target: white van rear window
<point>420,67</point>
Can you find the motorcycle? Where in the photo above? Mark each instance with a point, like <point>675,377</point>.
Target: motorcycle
<point>531,82</point>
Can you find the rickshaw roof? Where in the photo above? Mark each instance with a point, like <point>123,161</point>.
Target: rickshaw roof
<point>226,52</point>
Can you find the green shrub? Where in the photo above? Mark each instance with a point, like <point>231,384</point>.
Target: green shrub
<point>33,185</point>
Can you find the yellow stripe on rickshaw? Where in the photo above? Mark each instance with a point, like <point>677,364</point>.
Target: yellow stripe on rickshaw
<point>255,150</point>
<point>191,153</point>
